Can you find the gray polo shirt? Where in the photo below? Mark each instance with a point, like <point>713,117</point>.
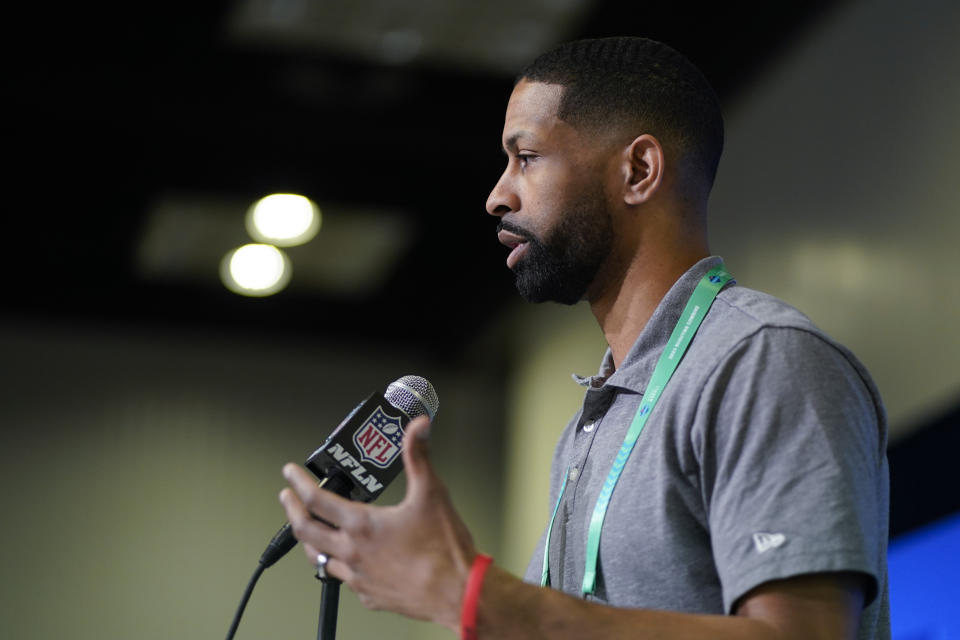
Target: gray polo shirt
<point>763,459</point>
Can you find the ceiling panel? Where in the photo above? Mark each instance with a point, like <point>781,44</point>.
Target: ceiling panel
<point>492,36</point>
<point>110,112</point>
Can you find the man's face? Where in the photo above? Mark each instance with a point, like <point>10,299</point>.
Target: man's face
<point>550,200</point>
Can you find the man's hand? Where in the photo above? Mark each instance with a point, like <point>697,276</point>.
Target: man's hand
<point>412,558</point>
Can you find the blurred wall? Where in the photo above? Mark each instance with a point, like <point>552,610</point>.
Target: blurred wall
<point>838,193</point>
<point>140,474</point>
<point>553,342</point>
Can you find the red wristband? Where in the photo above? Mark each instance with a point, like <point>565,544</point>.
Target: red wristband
<point>471,597</point>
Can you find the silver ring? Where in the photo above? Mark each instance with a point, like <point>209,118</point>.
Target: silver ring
<point>322,560</point>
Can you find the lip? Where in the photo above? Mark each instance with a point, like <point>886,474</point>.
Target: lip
<point>509,239</point>
<point>517,243</point>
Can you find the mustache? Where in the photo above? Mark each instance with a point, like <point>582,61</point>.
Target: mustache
<point>504,225</point>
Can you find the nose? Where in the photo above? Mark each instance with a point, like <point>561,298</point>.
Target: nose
<point>503,199</point>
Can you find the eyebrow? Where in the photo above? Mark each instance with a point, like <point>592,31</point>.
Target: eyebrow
<point>511,142</point>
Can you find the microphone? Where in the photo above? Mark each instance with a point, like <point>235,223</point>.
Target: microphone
<point>362,455</point>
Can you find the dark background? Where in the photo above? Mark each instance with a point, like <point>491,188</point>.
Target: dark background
<point>106,108</point>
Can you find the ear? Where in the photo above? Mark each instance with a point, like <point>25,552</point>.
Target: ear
<point>643,169</point>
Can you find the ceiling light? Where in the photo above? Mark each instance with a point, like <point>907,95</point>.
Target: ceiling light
<point>255,270</point>
<point>283,219</point>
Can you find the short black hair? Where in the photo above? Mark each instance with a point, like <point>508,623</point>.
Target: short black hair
<point>609,81</point>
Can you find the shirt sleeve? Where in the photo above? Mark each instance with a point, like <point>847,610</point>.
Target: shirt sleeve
<point>791,440</point>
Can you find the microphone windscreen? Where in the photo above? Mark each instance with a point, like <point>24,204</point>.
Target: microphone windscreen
<point>413,395</point>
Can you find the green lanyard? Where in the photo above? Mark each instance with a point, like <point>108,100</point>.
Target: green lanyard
<point>693,314</point>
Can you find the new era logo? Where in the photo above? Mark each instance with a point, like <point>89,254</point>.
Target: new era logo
<point>766,541</point>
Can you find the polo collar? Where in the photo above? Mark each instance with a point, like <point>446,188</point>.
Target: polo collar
<point>637,368</point>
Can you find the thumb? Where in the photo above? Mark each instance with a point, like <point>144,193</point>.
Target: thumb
<point>416,460</point>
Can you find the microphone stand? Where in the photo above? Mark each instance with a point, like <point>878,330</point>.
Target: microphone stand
<point>338,483</point>
<point>329,605</point>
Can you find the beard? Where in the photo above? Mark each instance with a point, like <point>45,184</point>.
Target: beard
<point>561,266</point>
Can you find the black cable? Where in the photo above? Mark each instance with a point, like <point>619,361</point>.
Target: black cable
<point>284,540</point>
<point>243,601</point>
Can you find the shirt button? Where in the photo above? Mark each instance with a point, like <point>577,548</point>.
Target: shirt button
<point>574,472</point>
<point>587,428</point>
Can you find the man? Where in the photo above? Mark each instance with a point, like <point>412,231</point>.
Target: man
<point>739,477</point>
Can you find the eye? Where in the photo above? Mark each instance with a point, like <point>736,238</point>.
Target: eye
<point>525,158</point>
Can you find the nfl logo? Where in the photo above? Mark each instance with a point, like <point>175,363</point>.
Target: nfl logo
<point>379,439</point>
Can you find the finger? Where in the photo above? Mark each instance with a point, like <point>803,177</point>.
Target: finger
<point>311,552</point>
<point>339,569</point>
<point>308,529</point>
<point>334,567</point>
<point>322,504</point>
<point>416,459</point>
